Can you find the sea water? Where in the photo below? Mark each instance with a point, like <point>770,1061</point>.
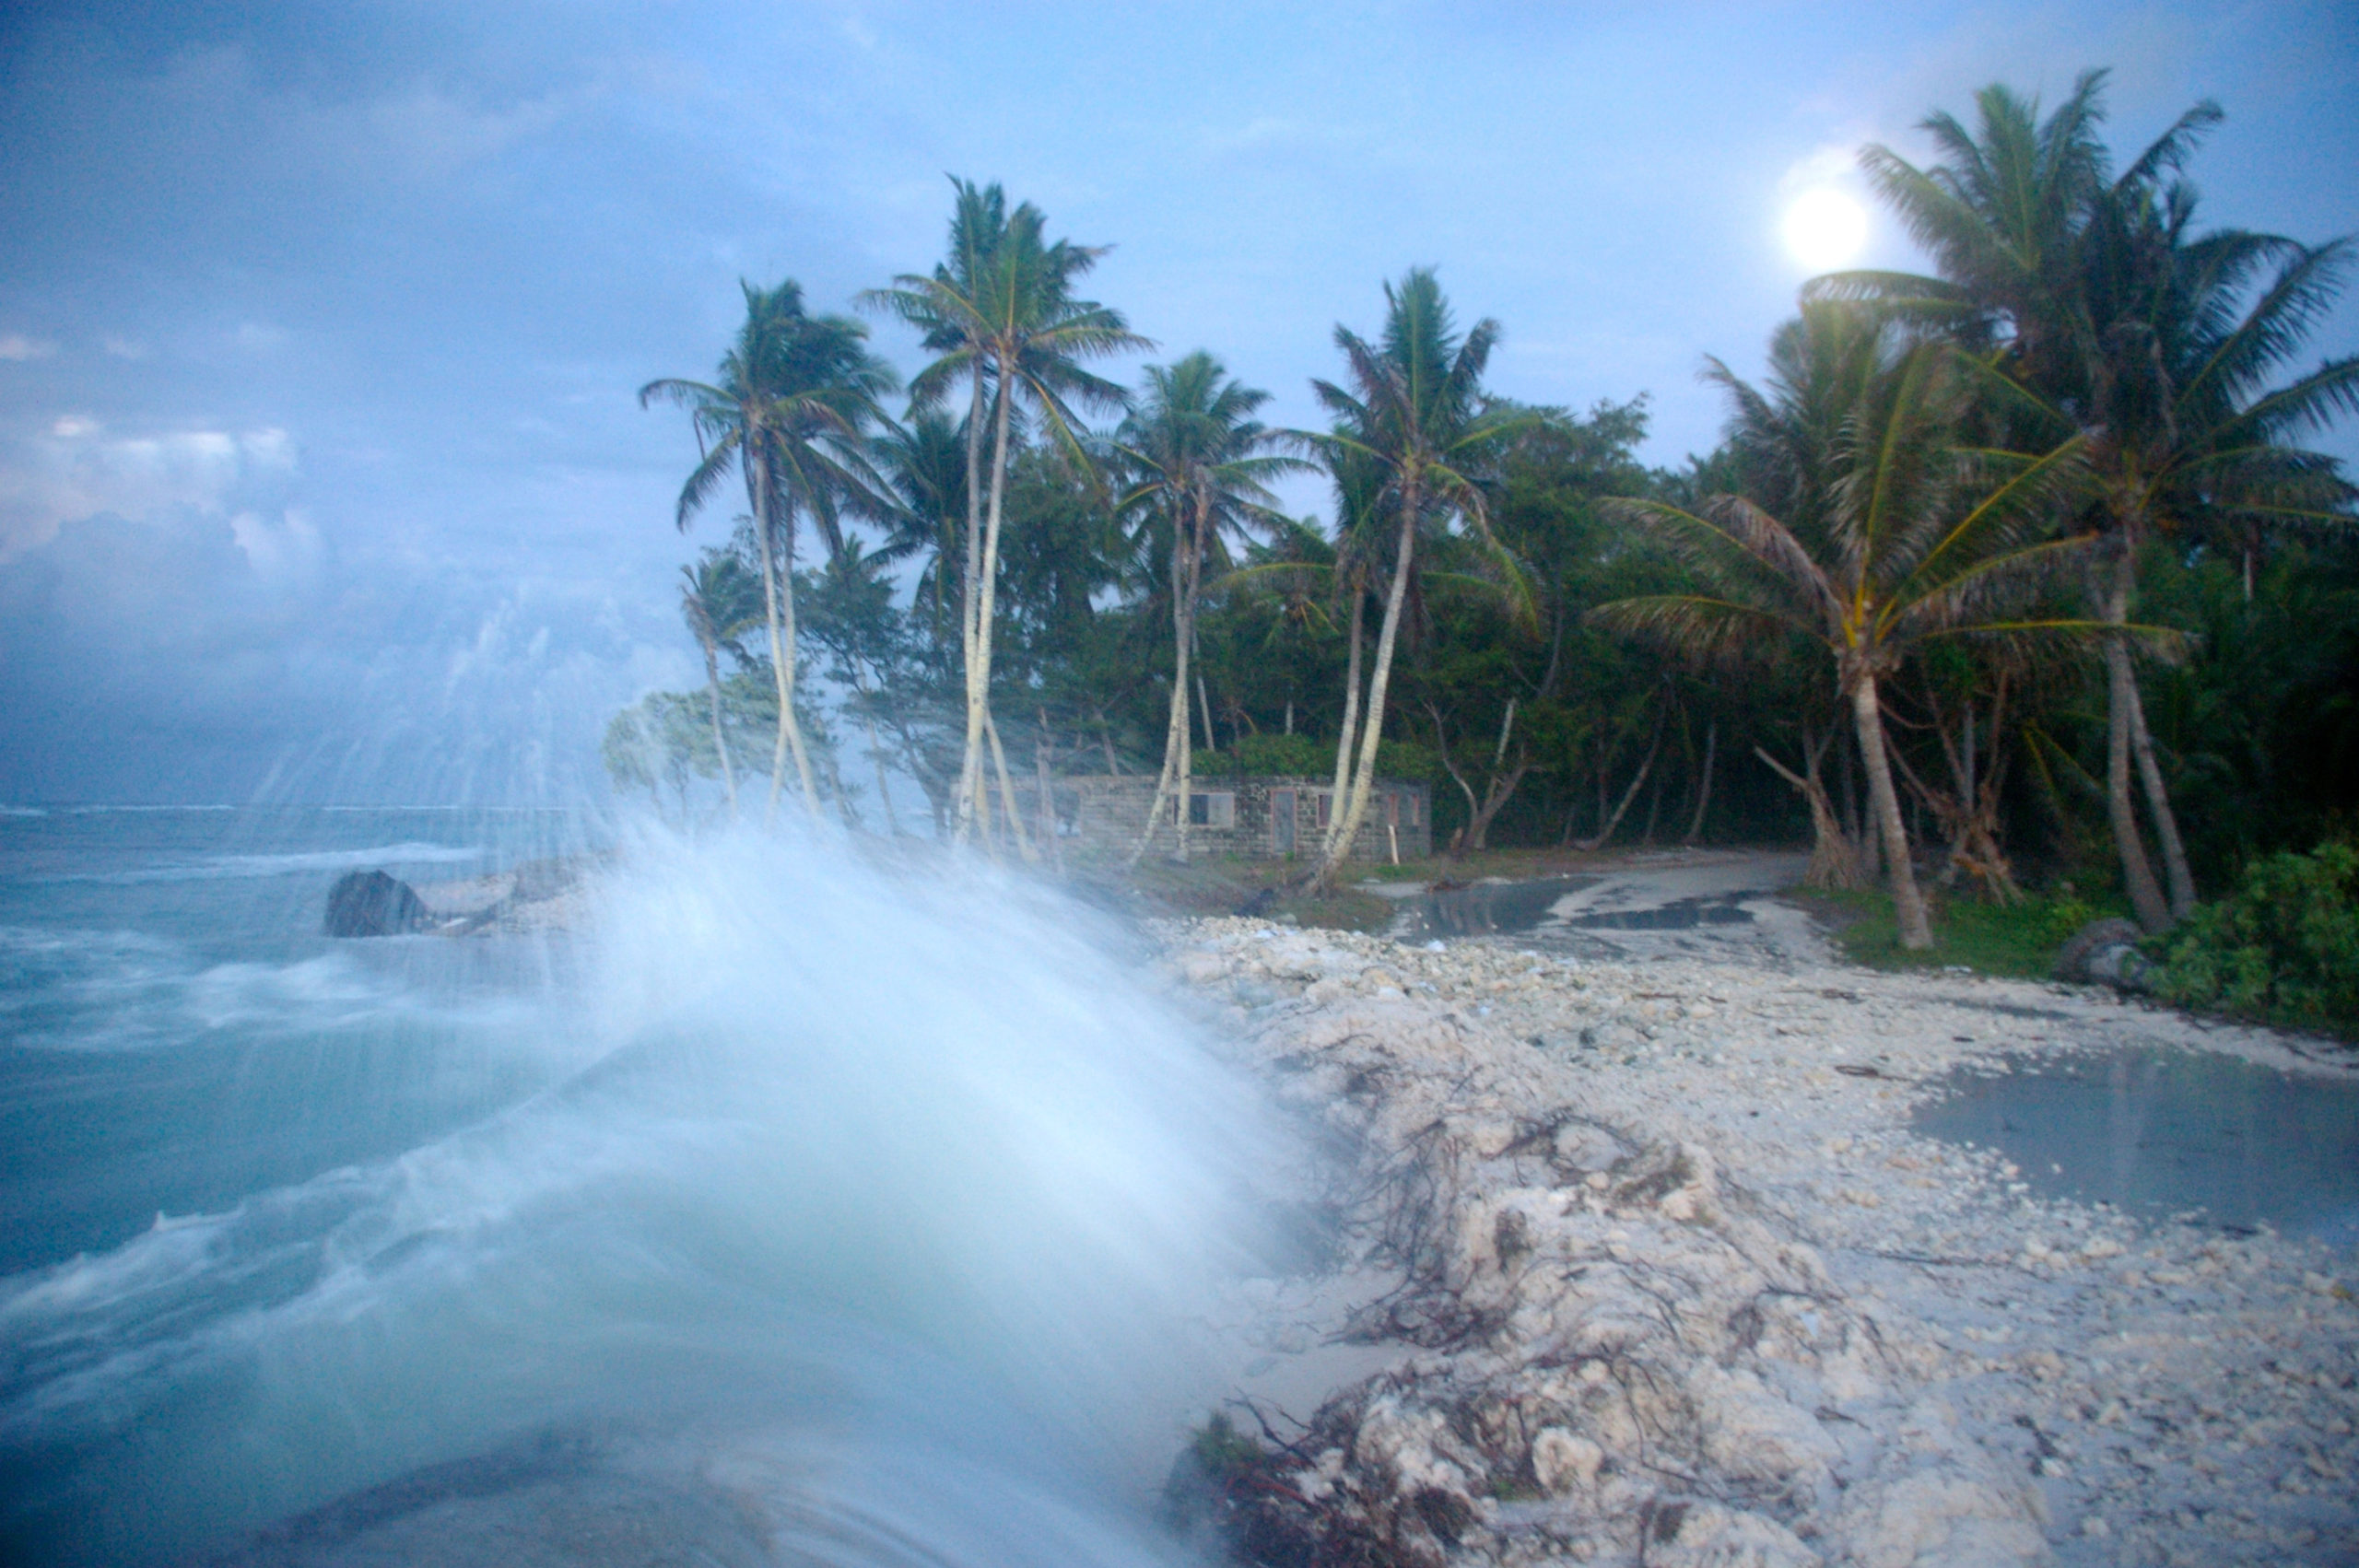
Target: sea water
<point>782,1210</point>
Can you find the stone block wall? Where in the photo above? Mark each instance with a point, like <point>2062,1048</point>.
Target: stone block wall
<point>1250,817</point>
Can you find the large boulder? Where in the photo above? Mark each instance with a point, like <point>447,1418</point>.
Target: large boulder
<point>2106,953</point>
<point>374,904</point>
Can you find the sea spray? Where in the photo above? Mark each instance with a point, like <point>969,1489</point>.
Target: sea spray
<point>866,1224</point>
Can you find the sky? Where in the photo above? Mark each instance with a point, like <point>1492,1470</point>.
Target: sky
<point>321,470</point>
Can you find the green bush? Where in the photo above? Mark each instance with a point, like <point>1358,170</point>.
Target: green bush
<point>2283,948</point>
<point>1303,756</point>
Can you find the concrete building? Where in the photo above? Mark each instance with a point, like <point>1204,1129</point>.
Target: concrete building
<point>1261,818</point>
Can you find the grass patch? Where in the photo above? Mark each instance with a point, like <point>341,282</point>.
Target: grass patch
<point>2017,940</point>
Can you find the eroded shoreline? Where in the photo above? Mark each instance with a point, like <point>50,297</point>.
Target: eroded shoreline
<point>1672,1286</point>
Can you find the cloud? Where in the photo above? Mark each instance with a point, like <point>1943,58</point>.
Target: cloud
<point>17,345</point>
<point>124,347</point>
<point>77,469</point>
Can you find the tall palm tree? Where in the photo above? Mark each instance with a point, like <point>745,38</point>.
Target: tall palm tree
<point>2100,311</point>
<point>1000,313</point>
<point>1889,531</point>
<point>720,601</point>
<point>1201,464</point>
<point>1416,417</point>
<point>791,408</point>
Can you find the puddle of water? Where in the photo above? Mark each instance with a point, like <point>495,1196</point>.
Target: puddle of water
<point>1685,914</point>
<point>2161,1132</point>
<point>1490,908</point>
<point>1513,908</point>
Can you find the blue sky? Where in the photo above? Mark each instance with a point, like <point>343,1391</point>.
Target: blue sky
<point>321,471</point>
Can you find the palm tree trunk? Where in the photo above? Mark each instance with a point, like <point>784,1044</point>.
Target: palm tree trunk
<point>1351,722</point>
<point>1175,733</point>
<point>969,600</point>
<point>792,726</point>
<point>1339,849</point>
<point>2121,707</point>
<point>757,493</point>
<point>2158,805</point>
<point>1022,834</point>
<point>979,672</point>
<point>1606,824</point>
<point>719,745</point>
<point>1908,905</point>
<point>1704,794</point>
<point>1185,591</point>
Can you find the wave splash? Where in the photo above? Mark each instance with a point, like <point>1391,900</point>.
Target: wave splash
<point>866,1229</point>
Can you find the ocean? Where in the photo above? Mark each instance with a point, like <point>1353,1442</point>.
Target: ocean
<point>786,1209</point>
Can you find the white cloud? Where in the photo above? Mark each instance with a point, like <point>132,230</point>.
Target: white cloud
<point>17,345</point>
<point>124,347</point>
<point>76,469</point>
<point>258,337</point>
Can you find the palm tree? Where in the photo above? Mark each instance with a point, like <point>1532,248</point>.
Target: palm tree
<point>1890,532</point>
<point>2102,314</point>
<point>1202,463</point>
<point>999,312</point>
<point>721,601</point>
<point>790,408</point>
<point>1416,417</point>
<point>924,462</point>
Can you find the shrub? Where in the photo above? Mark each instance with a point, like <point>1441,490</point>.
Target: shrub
<point>2284,947</point>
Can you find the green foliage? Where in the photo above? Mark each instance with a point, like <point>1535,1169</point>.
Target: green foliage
<point>1222,1450</point>
<point>1293,757</point>
<point>2018,939</point>
<point>2284,948</point>
<point>1301,756</point>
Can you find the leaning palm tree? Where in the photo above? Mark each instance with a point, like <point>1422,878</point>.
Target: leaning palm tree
<point>1885,533</point>
<point>1001,315</point>
<point>721,602</point>
<point>1415,417</point>
<point>790,409</point>
<point>1201,465</point>
<point>2086,293</point>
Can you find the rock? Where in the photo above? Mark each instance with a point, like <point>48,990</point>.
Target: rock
<point>1706,1534</point>
<point>374,904</point>
<point>1753,1434</point>
<point>1201,968</point>
<point>2073,958</point>
<point>1562,1459</point>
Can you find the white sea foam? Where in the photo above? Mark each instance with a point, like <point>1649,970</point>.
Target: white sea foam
<point>847,1159</point>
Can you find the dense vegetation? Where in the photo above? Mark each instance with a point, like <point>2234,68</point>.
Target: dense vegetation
<point>2010,576</point>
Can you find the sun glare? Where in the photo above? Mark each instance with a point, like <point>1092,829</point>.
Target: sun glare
<point>1824,229</point>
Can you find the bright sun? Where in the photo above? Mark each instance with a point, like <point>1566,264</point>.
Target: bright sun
<point>1824,229</point>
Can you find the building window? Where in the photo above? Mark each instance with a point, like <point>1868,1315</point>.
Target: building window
<point>1326,806</point>
<point>1211,808</point>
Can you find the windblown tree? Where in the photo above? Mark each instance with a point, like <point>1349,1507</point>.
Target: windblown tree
<point>2091,298</point>
<point>1201,465</point>
<point>1872,531</point>
<point>720,601</point>
<point>790,409</point>
<point>1415,426</point>
<point>1000,315</point>
<point>924,462</point>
